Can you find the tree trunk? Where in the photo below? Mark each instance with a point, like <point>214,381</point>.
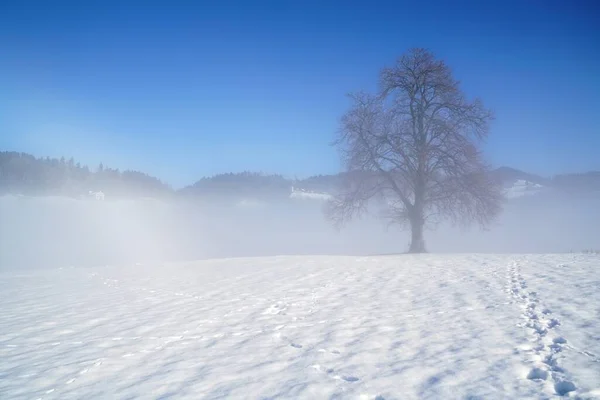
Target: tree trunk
<point>417,219</point>
<point>417,243</point>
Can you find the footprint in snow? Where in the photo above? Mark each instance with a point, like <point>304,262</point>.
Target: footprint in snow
<point>537,374</point>
<point>539,347</point>
<point>560,340</point>
<point>553,322</point>
<point>557,348</point>
<point>296,345</point>
<point>319,368</point>
<point>564,387</point>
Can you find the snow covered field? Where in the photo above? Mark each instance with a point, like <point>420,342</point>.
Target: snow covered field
<point>390,327</point>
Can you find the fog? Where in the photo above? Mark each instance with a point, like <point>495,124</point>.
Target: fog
<point>52,231</point>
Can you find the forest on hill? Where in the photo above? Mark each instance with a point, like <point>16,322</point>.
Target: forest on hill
<point>25,174</point>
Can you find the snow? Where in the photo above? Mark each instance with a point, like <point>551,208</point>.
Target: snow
<point>306,327</point>
<point>303,194</point>
<point>97,195</point>
<point>522,188</point>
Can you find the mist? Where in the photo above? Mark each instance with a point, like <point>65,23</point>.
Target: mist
<point>55,231</point>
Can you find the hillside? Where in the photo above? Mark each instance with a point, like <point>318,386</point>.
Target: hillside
<point>508,176</point>
<point>24,174</point>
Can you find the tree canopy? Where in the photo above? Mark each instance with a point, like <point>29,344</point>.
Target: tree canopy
<point>414,146</point>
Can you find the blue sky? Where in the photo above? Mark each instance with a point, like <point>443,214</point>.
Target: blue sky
<point>184,89</point>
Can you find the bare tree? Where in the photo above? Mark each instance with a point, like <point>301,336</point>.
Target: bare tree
<point>414,147</point>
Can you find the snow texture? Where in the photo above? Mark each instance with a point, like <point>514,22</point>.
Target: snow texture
<point>389,327</point>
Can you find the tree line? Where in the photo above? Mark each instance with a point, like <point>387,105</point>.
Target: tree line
<point>25,174</point>
<point>22,173</point>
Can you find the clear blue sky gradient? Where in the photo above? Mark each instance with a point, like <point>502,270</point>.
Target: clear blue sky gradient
<point>184,89</point>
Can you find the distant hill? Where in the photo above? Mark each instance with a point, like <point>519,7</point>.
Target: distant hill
<point>588,182</point>
<point>245,184</point>
<point>509,176</point>
<point>518,183</point>
<point>22,173</point>
<point>320,183</point>
<point>261,186</point>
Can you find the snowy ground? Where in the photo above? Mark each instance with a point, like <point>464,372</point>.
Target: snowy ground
<point>392,327</point>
